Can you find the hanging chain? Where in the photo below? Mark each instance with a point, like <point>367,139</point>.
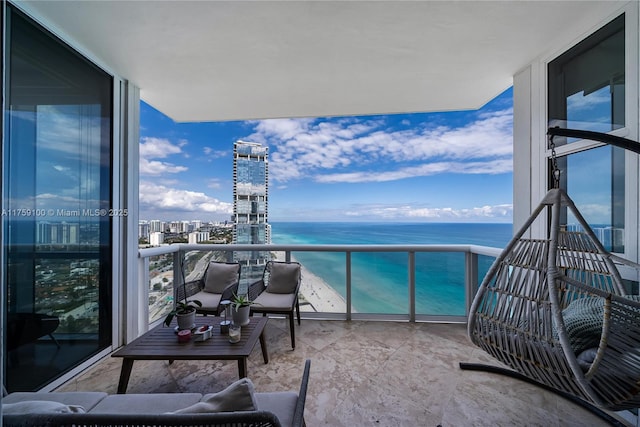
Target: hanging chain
<point>554,163</point>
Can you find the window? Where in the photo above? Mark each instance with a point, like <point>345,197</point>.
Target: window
<point>56,228</point>
<point>586,88</point>
<point>587,83</point>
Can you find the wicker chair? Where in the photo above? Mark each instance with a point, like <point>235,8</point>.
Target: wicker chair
<point>277,292</point>
<point>219,282</point>
<point>555,311</point>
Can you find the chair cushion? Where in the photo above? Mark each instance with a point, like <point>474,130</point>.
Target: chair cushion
<point>40,407</point>
<point>219,276</point>
<point>209,301</point>
<point>86,399</point>
<point>267,301</point>
<point>283,278</point>
<point>151,403</point>
<point>239,396</point>
<point>282,404</point>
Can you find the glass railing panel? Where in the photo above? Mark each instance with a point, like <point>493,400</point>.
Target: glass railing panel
<point>323,287</point>
<point>160,286</point>
<point>484,264</point>
<point>195,263</point>
<point>379,283</point>
<point>379,280</point>
<point>440,285</point>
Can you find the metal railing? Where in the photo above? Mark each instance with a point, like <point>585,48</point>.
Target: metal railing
<point>466,266</point>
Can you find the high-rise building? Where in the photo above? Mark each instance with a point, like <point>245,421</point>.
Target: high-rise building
<point>250,203</point>
<point>198,236</point>
<point>156,238</point>
<point>156,225</point>
<point>143,229</point>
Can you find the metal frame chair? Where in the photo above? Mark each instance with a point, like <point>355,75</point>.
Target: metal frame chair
<point>266,302</point>
<point>195,290</point>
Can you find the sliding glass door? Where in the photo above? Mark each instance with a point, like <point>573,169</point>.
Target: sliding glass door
<point>56,223</point>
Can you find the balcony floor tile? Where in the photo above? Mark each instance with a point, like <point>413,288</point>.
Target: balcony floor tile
<point>364,373</point>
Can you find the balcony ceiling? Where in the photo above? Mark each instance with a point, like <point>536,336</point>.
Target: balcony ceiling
<point>236,60</point>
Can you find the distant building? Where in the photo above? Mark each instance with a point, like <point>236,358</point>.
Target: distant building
<point>156,225</point>
<point>143,230</point>
<point>156,238</point>
<point>250,205</point>
<point>198,236</point>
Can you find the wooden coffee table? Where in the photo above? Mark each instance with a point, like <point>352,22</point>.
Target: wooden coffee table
<point>161,343</point>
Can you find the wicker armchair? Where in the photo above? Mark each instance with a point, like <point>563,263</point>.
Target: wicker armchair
<point>277,292</point>
<point>219,282</point>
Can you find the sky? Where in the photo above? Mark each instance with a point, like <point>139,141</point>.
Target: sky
<point>419,167</point>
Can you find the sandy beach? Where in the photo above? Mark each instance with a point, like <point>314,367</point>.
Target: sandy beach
<point>316,294</point>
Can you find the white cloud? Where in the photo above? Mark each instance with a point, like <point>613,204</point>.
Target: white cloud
<point>338,151</point>
<point>159,148</point>
<point>155,167</point>
<point>498,212</point>
<point>214,183</point>
<point>213,153</point>
<point>160,197</point>
<point>490,167</point>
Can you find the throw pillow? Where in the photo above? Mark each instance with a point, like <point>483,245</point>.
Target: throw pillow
<point>583,322</point>
<point>40,407</point>
<point>219,276</point>
<point>239,396</point>
<point>283,278</point>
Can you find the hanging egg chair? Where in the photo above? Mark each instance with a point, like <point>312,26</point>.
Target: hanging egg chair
<point>555,310</point>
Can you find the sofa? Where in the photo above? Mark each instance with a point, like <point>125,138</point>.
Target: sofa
<point>237,405</point>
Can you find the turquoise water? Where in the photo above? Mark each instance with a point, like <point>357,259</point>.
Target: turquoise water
<point>379,280</point>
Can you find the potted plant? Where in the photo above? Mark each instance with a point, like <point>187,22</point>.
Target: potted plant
<point>240,309</point>
<point>184,311</point>
<point>185,314</point>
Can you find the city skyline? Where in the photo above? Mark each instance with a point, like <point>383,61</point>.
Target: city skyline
<point>435,167</point>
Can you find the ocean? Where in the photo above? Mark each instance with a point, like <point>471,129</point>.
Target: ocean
<point>379,280</point>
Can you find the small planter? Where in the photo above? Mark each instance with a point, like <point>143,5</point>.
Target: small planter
<point>241,315</point>
<point>186,321</point>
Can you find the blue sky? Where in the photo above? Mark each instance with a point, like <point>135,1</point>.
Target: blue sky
<point>421,167</point>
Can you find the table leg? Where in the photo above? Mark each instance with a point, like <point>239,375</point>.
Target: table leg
<point>263,346</point>
<point>125,373</point>
<point>242,367</point>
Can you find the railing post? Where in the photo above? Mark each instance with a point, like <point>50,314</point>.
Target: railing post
<point>470,279</point>
<point>177,272</point>
<point>412,286</point>
<point>348,284</point>
<point>137,308</point>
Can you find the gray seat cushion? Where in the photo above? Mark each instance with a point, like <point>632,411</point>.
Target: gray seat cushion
<point>268,301</point>
<point>86,399</point>
<point>40,407</point>
<point>152,403</point>
<point>281,404</point>
<point>209,301</point>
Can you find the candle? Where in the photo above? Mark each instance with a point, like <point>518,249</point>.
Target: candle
<point>184,335</point>
<point>234,333</point>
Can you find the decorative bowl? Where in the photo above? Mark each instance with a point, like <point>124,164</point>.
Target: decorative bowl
<point>202,333</point>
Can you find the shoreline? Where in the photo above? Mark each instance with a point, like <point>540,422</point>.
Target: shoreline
<point>315,294</point>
